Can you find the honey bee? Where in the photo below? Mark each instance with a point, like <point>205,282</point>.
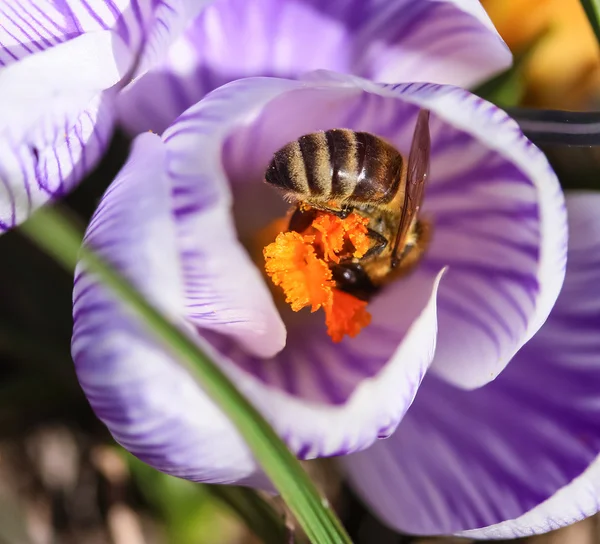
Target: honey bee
<point>341,171</point>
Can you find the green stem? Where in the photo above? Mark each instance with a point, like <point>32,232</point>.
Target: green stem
<point>56,234</point>
<point>257,514</point>
<point>592,10</point>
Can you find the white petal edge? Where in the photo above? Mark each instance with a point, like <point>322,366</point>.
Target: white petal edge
<point>261,332</point>
<point>204,58</point>
<point>577,501</point>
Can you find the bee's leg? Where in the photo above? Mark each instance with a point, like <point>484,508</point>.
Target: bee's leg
<point>380,243</point>
<point>341,213</point>
<point>301,219</point>
<point>345,212</point>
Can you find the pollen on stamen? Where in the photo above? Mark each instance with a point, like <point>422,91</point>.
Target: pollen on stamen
<point>299,264</point>
<point>292,263</point>
<point>334,233</point>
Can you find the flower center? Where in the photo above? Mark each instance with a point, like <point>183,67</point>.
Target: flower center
<point>301,264</point>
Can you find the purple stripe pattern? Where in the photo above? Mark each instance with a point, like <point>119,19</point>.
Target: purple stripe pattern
<point>151,405</point>
<point>62,63</point>
<point>383,40</point>
<point>31,26</point>
<point>52,161</point>
<point>517,449</point>
<point>323,399</point>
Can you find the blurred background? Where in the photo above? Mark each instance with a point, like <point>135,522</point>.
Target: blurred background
<point>62,478</point>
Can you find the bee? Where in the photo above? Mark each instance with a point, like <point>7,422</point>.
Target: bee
<point>341,171</point>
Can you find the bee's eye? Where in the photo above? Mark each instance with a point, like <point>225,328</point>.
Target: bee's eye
<point>349,276</point>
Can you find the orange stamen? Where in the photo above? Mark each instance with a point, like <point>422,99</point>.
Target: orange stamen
<point>299,264</point>
<point>345,315</point>
<point>330,236</point>
<point>292,263</point>
<point>356,228</point>
<point>334,232</point>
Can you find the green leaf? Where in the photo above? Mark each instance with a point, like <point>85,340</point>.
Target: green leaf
<point>57,234</point>
<point>183,506</point>
<point>258,515</point>
<point>592,10</point>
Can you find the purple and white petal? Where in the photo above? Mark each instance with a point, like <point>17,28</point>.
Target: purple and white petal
<point>28,27</point>
<point>55,120</point>
<point>441,41</point>
<point>523,448</point>
<point>224,291</point>
<point>570,336</point>
<point>61,66</point>
<point>57,61</point>
<point>499,225</point>
<point>152,406</point>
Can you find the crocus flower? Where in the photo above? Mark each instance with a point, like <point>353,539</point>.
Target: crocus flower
<point>61,67</point>
<point>181,221</point>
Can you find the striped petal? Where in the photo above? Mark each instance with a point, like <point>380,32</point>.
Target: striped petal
<point>61,66</point>
<point>55,120</point>
<point>523,448</point>
<point>499,225</point>
<point>151,405</point>
<point>444,41</point>
<point>28,27</point>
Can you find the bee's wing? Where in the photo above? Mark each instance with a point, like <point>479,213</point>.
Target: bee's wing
<point>417,173</point>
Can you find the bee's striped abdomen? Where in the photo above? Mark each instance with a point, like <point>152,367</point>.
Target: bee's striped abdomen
<point>337,165</point>
<point>379,169</point>
<point>286,170</point>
